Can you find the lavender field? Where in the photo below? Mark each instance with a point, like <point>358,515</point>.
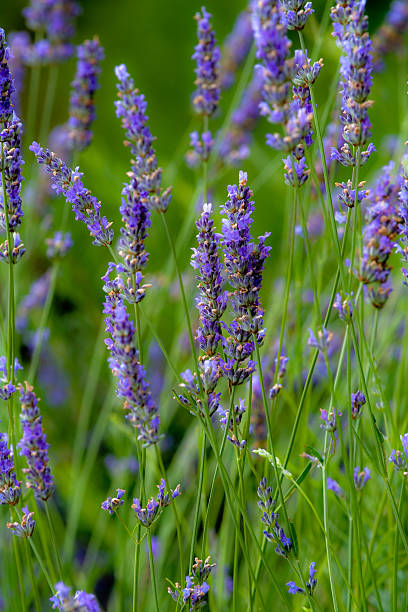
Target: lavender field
<point>203,306</point>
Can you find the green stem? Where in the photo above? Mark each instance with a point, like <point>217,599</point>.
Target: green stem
<point>29,562</point>
<point>54,541</point>
<point>395,566</point>
<point>152,572</point>
<point>326,525</point>
<point>198,502</point>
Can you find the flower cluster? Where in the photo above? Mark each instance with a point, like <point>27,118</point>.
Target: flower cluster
<point>233,419</point>
<point>212,300</point>
<point>400,459</point>
<point>7,388</point>
<point>10,137</point>
<point>295,13</point>
<point>112,503</point>
<point>277,72</point>
<point>349,196</point>
<point>191,397</point>
<point>390,36</point>
<point>358,400</point>
<point>6,82</point>
<point>273,532</point>
<point>280,375</point>
<point>58,245</point>
<point>234,147</point>
<point>360,478</point>
<point>379,238</point>
<point>83,88</point>
<point>321,341</point>
<point>350,28</point>
<point>207,57</point>
<point>56,18</point>
<point>10,489</point>
<point>236,48</point>
<point>196,588</point>
<point>132,386</point>
<point>147,516</point>
<point>310,585</point>
<point>80,602</point>
<point>329,419</point>
<point>344,304</point>
<point>244,262</point>
<point>33,446</point>
<point>68,182</point>
<point>402,246</point>
<point>25,528</point>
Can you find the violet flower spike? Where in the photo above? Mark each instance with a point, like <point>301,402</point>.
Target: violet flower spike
<point>350,28</point>
<point>10,487</point>
<point>69,182</point>
<point>360,478</point>
<point>196,588</point>
<point>358,400</point>
<point>402,245</point>
<point>81,601</point>
<point>25,529</point>
<point>389,38</point>
<point>7,388</point>
<point>81,104</point>
<point>58,245</point>
<point>154,507</point>
<point>244,263</point>
<point>400,459</point>
<point>295,13</point>
<point>132,386</point>
<point>111,504</point>
<point>207,57</point>
<point>273,532</point>
<point>10,136</point>
<point>33,446</point>
<point>236,48</point>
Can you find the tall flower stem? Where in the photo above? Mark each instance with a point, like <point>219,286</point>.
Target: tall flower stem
<point>53,540</point>
<point>152,572</point>
<point>198,500</point>
<point>394,598</point>
<point>11,328</point>
<point>326,524</point>
<point>29,562</point>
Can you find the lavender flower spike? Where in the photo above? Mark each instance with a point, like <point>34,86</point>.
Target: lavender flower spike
<point>25,529</point>
<point>10,489</point>
<point>360,478</point>
<point>147,516</point>
<point>145,176</point>
<point>295,13</point>
<point>81,104</point>
<point>350,28</point>
<point>400,459</point>
<point>273,532</point>
<point>196,588</point>
<point>236,48</point>
<point>244,262</point>
<point>212,300</point>
<point>402,246</point>
<point>69,183</point>
<point>81,601</point>
<point>6,386</point>
<point>10,137</point>
<point>112,503</point>
<point>132,386</point>
<point>33,446</point>
<point>6,82</point>
<point>207,56</point>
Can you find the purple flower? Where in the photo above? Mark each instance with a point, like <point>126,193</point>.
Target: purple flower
<point>390,36</point>
<point>207,57</point>
<point>350,28</point>
<point>112,503</point>
<point>154,507</point>
<point>6,82</point>
<point>25,529</point>
<point>10,489</point>
<point>400,459</point>
<point>293,588</point>
<point>402,246</point>
<point>360,478</point>
<point>344,304</point>
<point>83,88</point>
<point>33,446</point>
<point>81,601</point>
<point>196,586</point>
<point>236,48</point>
<point>235,146</point>
<point>201,148</point>
<point>312,582</point>
<point>273,532</point>
<point>58,245</point>
<point>212,299</point>
<point>358,400</point>
<point>322,340</point>
<point>334,486</point>
<point>10,136</point>
<point>132,386</point>
<point>379,238</point>
<point>7,387</point>
<point>69,183</point>
<point>295,13</point>
<point>234,421</point>
<point>347,196</point>
<point>329,419</point>
<point>244,263</point>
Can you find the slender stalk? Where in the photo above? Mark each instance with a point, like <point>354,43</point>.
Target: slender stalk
<point>198,501</point>
<point>53,539</point>
<point>326,525</point>
<point>395,566</point>
<point>152,572</point>
<point>19,574</point>
<point>29,562</point>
